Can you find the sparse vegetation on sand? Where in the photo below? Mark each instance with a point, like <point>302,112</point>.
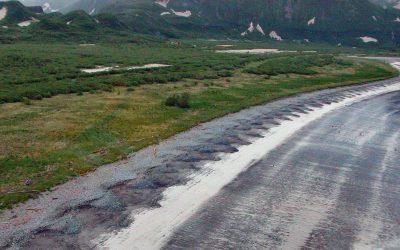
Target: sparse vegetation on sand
<point>46,142</point>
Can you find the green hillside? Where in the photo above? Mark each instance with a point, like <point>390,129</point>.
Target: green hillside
<point>343,22</point>
<point>15,13</point>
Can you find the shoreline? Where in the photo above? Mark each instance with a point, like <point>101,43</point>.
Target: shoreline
<point>154,229</point>
<point>113,191</point>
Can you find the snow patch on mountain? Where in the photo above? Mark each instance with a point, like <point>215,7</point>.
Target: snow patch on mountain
<point>311,21</point>
<point>368,39</point>
<point>186,13</point>
<point>165,13</point>
<point>47,8</point>
<point>92,11</point>
<point>274,35</point>
<point>252,28</point>
<point>3,13</point>
<point>397,20</point>
<point>163,3</point>
<point>69,22</point>
<point>374,18</point>
<point>260,29</point>
<point>25,23</point>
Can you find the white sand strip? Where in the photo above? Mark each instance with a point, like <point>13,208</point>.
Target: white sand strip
<point>253,51</point>
<point>275,35</point>
<point>99,69</point>
<point>368,39</point>
<point>186,13</point>
<point>147,66</point>
<point>152,228</point>
<point>25,23</point>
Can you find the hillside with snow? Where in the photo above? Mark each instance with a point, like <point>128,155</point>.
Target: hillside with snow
<point>334,21</point>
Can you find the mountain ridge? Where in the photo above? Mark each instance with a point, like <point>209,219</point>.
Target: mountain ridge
<point>303,21</point>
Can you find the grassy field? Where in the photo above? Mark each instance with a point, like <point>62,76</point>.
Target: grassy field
<point>46,142</point>
<point>37,71</point>
<point>300,64</point>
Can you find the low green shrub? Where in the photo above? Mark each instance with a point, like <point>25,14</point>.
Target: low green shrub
<point>183,100</point>
<point>295,64</point>
<point>171,101</point>
<point>178,100</point>
<point>35,71</point>
<point>26,101</point>
<point>34,95</point>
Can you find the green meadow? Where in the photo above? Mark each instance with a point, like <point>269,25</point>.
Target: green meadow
<point>57,122</point>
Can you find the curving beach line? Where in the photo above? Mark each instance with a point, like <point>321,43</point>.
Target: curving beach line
<point>152,228</point>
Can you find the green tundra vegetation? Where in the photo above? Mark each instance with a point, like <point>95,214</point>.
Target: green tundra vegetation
<point>57,122</point>
<point>42,70</point>
<point>300,64</point>
<point>37,71</point>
